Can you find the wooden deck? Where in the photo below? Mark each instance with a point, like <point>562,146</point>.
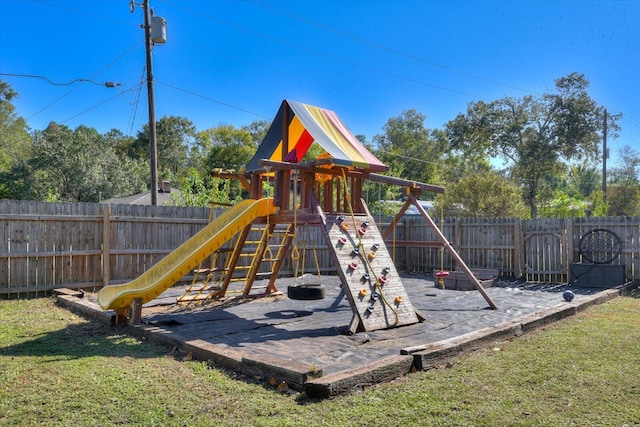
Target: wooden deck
<point>304,342</point>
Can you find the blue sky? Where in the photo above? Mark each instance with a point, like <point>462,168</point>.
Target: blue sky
<point>234,61</point>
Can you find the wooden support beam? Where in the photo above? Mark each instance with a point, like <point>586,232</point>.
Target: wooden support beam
<point>396,219</point>
<point>136,311</point>
<point>405,183</point>
<point>411,185</point>
<point>452,251</point>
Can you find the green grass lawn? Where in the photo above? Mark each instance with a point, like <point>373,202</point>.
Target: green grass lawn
<point>57,368</point>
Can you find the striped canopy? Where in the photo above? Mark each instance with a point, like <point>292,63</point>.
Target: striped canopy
<point>306,124</point>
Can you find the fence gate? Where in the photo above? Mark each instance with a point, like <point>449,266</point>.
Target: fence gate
<point>546,255</point>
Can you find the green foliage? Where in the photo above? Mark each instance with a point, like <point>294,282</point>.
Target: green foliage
<point>623,193</point>
<point>564,206</point>
<point>482,194</point>
<point>313,152</point>
<point>226,147</point>
<point>410,149</point>
<point>196,190</point>
<point>598,206</point>
<point>547,143</point>
<point>623,200</point>
<point>82,165</point>
<point>15,147</point>
<point>583,179</point>
<point>536,135</point>
<point>193,192</point>
<point>174,138</point>
<point>258,130</point>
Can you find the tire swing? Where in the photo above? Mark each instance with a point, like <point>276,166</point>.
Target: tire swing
<point>305,286</point>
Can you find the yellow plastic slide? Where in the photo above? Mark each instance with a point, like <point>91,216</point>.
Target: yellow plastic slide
<point>185,257</point>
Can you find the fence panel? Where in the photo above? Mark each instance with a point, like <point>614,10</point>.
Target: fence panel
<point>626,228</point>
<point>46,245</point>
<point>49,245</point>
<point>140,236</point>
<point>545,250</point>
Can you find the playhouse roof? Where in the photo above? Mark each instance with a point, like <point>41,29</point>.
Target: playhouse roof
<point>307,124</point>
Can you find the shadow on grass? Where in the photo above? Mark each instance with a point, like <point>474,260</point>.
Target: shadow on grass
<point>82,341</point>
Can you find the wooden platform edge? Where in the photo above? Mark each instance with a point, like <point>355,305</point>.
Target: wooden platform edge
<point>437,354</point>
<point>383,370</point>
<point>418,357</point>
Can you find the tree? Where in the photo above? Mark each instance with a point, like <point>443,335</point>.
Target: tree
<point>223,147</point>
<point>623,195</point>
<point>226,147</point>
<point>82,165</point>
<point>175,137</point>
<point>15,146</point>
<point>482,194</point>
<point>258,130</point>
<point>535,135</point>
<point>582,180</point>
<point>564,206</point>
<point>409,148</point>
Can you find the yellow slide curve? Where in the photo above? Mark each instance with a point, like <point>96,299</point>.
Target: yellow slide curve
<point>185,257</point>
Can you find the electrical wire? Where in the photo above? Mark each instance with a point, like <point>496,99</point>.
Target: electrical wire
<point>106,84</point>
<point>136,102</point>
<point>362,40</point>
<point>92,108</point>
<point>214,100</point>
<point>290,75</point>
<point>323,54</point>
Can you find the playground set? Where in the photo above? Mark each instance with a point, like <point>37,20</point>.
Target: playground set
<point>251,240</point>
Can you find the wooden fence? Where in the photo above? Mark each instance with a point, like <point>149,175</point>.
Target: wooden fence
<point>81,245</point>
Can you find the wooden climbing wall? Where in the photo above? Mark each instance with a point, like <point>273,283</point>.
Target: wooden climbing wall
<point>369,278</point>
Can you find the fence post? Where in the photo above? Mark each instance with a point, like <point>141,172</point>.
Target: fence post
<point>106,244</point>
<point>568,235</point>
<point>518,248</point>
<point>457,237</point>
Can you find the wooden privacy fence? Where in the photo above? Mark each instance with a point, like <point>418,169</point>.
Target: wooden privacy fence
<point>44,246</point>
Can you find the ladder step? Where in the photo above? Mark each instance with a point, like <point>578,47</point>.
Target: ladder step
<point>202,288</point>
<point>270,259</point>
<point>190,298</point>
<point>209,270</point>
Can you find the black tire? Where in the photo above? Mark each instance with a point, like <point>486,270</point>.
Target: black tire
<point>306,292</point>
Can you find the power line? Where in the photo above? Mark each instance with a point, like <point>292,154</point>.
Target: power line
<point>214,100</point>
<point>326,55</point>
<point>118,58</point>
<point>82,12</point>
<point>294,76</point>
<point>106,84</point>
<point>380,46</point>
<point>136,102</point>
<point>92,108</point>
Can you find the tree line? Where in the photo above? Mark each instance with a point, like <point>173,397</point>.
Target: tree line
<point>523,157</point>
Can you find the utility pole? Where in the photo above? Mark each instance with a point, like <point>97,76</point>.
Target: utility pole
<point>605,152</point>
<point>153,143</point>
<point>604,158</point>
<point>158,36</point>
